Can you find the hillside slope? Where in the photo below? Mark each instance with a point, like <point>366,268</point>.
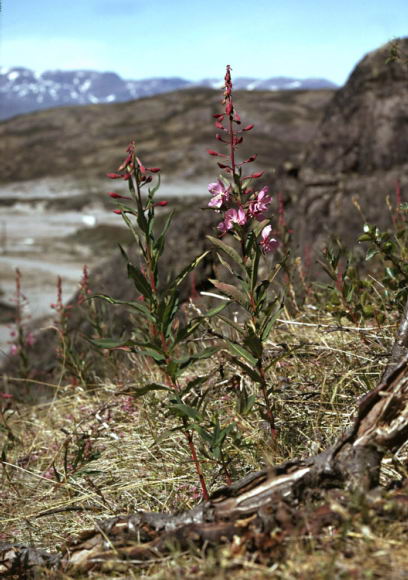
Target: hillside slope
<point>173,130</point>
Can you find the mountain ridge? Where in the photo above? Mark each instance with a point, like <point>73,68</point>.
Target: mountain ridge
<point>24,91</point>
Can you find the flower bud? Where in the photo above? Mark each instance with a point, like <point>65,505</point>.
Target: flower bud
<point>161,203</point>
<point>229,108</point>
<point>118,196</point>
<point>114,175</point>
<point>248,127</point>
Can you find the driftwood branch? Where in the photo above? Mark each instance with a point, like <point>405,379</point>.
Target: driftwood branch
<point>263,502</point>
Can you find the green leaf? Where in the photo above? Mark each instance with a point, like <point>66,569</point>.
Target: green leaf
<point>140,307</point>
<point>159,245</point>
<point>233,324</point>
<point>239,350</point>
<point>111,343</point>
<point>216,310</point>
<point>187,330</point>
<point>140,281</point>
<point>226,264</point>
<point>364,238</point>
<point>184,411</point>
<point>254,343</point>
<point>186,271</point>
<point>196,382</point>
<point>231,291</point>
<point>233,254</point>
<point>140,391</point>
<point>153,190</point>
<point>371,253</point>
<point>268,324</point>
<point>153,353</point>
<point>255,268</point>
<point>250,371</point>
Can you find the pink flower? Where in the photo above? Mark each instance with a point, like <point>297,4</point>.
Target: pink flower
<point>260,204</point>
<point>14,349</point>
<point>268,243</point>
<point>220,192</point>
<point>233,216</point>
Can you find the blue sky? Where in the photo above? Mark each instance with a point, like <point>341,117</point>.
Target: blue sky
<point>197,38</point>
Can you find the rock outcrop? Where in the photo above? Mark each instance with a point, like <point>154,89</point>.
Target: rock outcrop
<point>359,151</point>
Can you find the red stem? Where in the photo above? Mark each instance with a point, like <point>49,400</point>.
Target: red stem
<point>197,464</point>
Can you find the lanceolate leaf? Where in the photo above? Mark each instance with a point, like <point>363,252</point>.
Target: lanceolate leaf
<point>140,281</point>
<point>139,306</point>
<point>231,291</point>
<point>250,371</point>
<point>186,271</point>
<point>233,254</point>
<point>140,391</point>
<point>233,324</point>
<point>156,355</point>
<point>239,350</point>
<point>111,343</point>
<point>216,310</point>
<point>184,411</point>
<point>187,330</point>
<point>200,355</point>
<point>159,245</point>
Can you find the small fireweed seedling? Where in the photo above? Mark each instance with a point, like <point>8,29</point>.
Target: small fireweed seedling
<point>357,295</point>
<point>21,338</point>
<point>390,248</point>
<point>243,209</point>
<point>73,363</point>
<point>159,333</point>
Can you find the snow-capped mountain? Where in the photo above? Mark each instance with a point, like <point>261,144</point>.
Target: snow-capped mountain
<point>24,91</point>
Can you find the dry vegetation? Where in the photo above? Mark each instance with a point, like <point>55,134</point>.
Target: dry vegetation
<point>94,453</point>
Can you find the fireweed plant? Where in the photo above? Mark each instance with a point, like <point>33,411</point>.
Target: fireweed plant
<point>159,332</point>
<point>243,211</point>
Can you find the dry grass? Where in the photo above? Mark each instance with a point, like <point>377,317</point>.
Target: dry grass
<point>132,458</point>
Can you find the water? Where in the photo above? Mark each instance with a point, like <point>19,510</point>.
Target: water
<point>33,238</point>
